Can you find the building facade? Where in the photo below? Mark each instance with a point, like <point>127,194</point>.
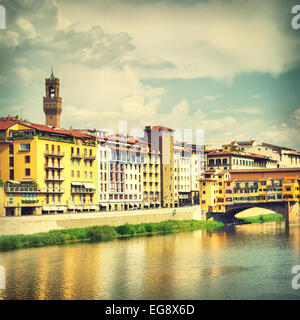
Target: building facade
<point>46,170</point>
<point>221,188</point>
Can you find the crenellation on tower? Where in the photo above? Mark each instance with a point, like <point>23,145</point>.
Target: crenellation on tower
<point>52,102</point>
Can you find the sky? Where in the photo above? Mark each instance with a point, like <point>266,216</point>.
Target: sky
<point>228,67</point>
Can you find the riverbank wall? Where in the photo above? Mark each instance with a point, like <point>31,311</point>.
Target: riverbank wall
<point>45,223</point>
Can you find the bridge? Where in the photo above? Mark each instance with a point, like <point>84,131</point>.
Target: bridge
<point>289,209</point>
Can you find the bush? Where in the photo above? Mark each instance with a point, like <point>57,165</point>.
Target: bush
<point>102,233</point>
<point>125,229</point>
<point>148,228</point>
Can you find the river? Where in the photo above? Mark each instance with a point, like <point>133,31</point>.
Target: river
<point>238,262</point>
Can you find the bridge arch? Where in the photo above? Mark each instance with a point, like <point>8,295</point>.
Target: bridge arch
<point>234,209</point>
<point>278,207</point>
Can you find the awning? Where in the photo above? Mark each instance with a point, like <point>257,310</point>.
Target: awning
<point>45,208</point>
<point>76,183</point>
<point>88,185</point>
<point>71,207</point>
<point>14,182</point>
<point>94,207</point>
<point>26,180</point>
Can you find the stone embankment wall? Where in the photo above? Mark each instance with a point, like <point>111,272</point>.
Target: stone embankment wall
<point>45,223</point>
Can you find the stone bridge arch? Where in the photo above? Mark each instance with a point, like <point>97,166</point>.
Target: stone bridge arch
<point>278,207</point>
<point>232,210</point>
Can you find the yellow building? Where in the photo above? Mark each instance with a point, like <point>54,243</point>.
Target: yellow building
<point>290,188</point>
<point>46,170</point>
<point>151,181</point>
<point>219,189</point>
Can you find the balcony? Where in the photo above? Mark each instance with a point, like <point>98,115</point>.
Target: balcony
<point>54,178</point>
<point>54,153</point>
<point>89,157</point>
<point>51,190</point>
<point>81,190</point>
<point>76,156</point>
<point>51,165</point>
<point>21,189</point>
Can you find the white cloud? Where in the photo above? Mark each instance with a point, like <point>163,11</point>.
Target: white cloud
<point>240,110</point>
<point>211,98</point>
<point>216,39</point>
<point>27,27</point>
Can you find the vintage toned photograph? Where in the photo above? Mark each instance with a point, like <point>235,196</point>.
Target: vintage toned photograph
<point>149,151</point>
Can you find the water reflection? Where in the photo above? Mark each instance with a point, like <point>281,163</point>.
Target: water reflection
<point>241,262</point>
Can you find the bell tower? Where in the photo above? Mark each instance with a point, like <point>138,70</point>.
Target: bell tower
<point>52,103</point>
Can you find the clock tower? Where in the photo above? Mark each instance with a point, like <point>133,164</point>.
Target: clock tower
<point>52,103</point>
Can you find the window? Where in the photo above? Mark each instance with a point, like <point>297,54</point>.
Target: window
<point>78,174</point>
<point>11,161</point>
<point>24,147</point>
<point>27,159</point>
<point>27,172</point>
<point>11,175</point>
<point>11,149</point>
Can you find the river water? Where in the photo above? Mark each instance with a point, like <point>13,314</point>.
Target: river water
<point>239,262</point>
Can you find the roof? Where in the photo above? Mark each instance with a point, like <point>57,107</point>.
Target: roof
<point>245,142</point>
<point>264,144</point>
<point>122,139</point>
<point>5,124</point>
<point>248,155</point>
<point>265,170</point>
<point>73,133</point>
<point>158,128</point>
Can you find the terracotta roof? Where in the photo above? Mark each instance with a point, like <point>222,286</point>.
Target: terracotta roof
<point>265,170</point>
<point>245,142</point>
<point>249,155</point>
<point>125,140</point>
<point>5,124</point>
<point>72,133</point>
<point>158,128</point>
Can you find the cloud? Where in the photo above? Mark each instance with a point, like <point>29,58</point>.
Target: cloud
<point>217,39</point>
<point>103,52</point>
<point>285,133</point>
<point>239,110</point>
<point>211,98</point>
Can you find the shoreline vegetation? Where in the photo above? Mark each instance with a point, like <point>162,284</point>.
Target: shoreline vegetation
<point>269,217</point>
<point>107,233</point>
<point>103,233</point>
